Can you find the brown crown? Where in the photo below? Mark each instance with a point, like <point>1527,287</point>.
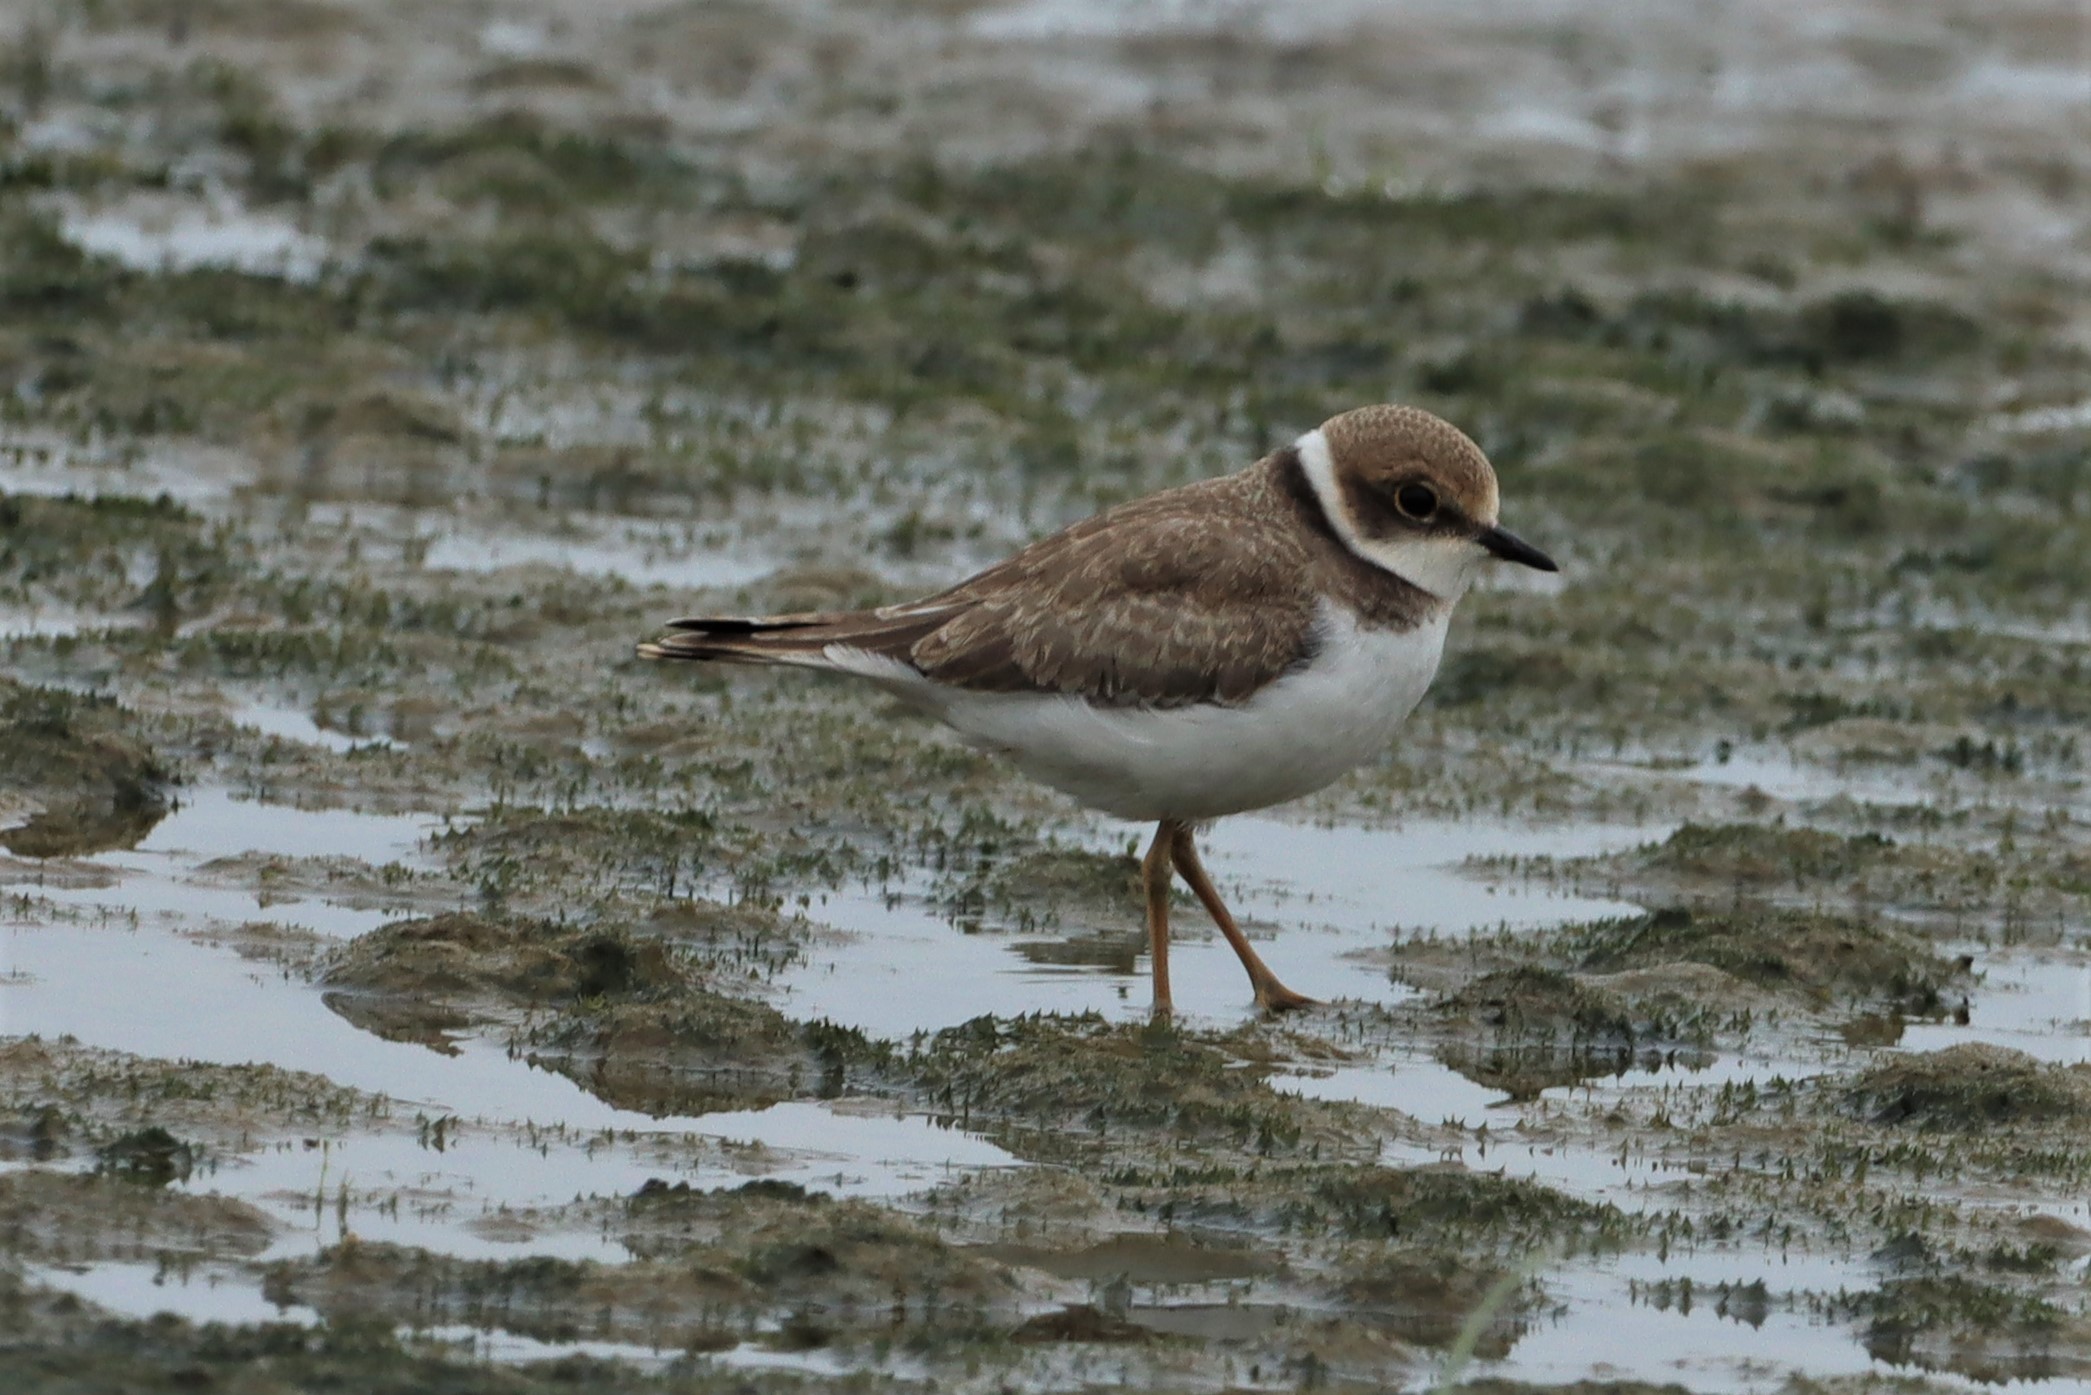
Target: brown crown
<point>1383,445</point>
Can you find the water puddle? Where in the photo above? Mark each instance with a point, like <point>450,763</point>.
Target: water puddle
<point>159,233</point>
<point>123,951</point>
<point>1712,1320</point>
<point>513,1349</point>
<point>478,539</point>
<point>2035,1001</point>
<point>1783,775</point>
<point>481,1155</point>
<point>1419,1086</point>
<point>199,1292</point>
<point>643,557</point>
<point>497,1346</point>
<point>295,724</point>
<point>2033,421</point>
<point>203,1293</point>
<point>497,1186</point>
<point>51,466</point>
<point>817,1362</point>
<point>1334,895</point>
<point>1740,1319</point>
<point>45,622</point>
<point>130,965</point>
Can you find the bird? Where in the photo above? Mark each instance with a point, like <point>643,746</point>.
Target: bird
<point>1217,647</point>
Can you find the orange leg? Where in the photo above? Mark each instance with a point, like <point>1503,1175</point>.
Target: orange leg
<point>1271,995</point>
<point>1154,875</point>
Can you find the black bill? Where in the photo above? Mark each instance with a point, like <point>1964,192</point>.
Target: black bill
<point>1512,548</point>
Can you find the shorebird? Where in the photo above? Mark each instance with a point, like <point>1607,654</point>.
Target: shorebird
<point>1219,647</point>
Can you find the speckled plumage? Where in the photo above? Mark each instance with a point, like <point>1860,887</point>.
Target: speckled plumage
<point>1204,593</point>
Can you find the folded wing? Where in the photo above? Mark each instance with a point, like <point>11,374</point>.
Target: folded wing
<point>1151,605</point>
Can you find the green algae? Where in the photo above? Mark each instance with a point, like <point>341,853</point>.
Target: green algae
<point>92,783</point>
<point>713,1270</point>
<point>1427,1298</point>
<point>89,1351</point>
<point>68,1100</point>
<point>1451,1205</point>
<point>1756,424</point>
<point>1969,1088</point>
<point>1051,888</point>
<point>1069,1087</point>
<point>151,1156</point>
<point>1757,856</point>
<point>1825,958</point>
<point>633,1016</point>
<point>2033,876</point>
<point>55,1217</point>
<point>1535,1028</point>
<point>1963,1325</point>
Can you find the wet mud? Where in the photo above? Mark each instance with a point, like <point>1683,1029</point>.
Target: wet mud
<point>86,783</point>
<point>401,987</point>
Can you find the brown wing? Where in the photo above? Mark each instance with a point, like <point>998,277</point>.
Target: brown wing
<point>1154,604</point>
<point>1198,594</point>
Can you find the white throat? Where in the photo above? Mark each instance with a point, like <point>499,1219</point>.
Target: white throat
<point>1442,566</point>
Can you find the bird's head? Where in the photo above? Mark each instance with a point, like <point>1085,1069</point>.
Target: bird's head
<point>1410,492</point>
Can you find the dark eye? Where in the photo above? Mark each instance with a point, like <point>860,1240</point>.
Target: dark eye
<point>1417,501</point>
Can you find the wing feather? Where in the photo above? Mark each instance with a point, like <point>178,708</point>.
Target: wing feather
<point>1198,594</point>
<point>1158,608</point>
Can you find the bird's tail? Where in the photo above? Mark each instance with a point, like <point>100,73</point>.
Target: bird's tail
<point>813,639</point>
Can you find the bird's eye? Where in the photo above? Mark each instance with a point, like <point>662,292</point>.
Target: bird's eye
<point>1416,501</point>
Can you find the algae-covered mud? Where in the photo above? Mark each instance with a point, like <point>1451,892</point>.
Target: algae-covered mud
<point>403,988</point>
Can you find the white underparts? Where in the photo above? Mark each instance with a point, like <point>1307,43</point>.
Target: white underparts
<point>1444,567</point>
<point>1204,761</point>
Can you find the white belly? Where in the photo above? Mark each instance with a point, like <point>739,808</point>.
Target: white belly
<point>1191,763</point>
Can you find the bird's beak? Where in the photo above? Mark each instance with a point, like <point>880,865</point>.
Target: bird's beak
<point>1511,548</point>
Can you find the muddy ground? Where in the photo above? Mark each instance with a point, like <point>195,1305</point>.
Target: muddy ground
<point>406,989</point>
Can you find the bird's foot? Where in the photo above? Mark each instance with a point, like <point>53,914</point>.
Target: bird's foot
<point>1274,997</point>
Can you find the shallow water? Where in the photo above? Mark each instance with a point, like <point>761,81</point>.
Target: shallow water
<point>201,1293</point>
<point>44,622</point>
<point>295,724</point>
<point>169,234</point>
<point>1612,1327</point>
<point>1827,126</point>
<point>134,966</point>
<point>1340,894</point>
<point>2031,1000</point>
<point>138,965</point>
<point>217,1293</point>
<point>1783,775</point>
<point>2041,420</point>
<point>50,465</point>
<point>1316,901</point>
<point>213,1293</point>
<point>644,558</point>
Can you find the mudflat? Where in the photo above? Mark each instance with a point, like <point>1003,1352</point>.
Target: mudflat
<point>403,987</point>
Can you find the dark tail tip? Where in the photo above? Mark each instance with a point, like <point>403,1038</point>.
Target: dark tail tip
<point>727,626</point>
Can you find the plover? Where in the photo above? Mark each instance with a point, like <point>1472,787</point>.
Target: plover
<point>1214,648</point>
